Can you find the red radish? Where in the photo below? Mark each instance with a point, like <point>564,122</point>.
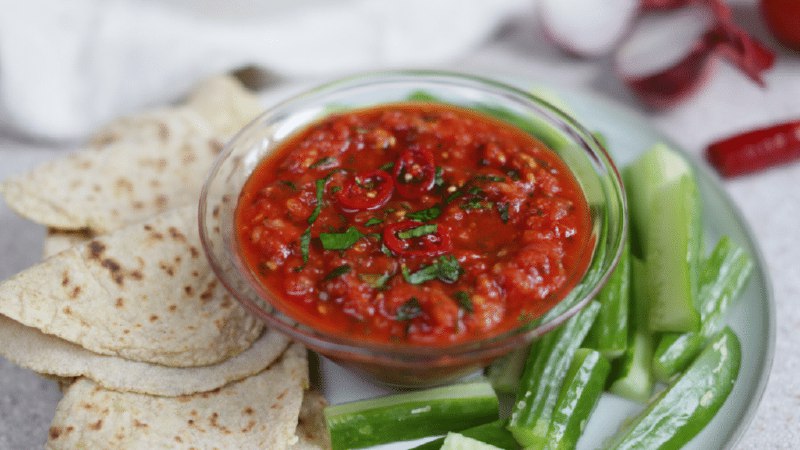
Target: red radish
<point>783,19</point>
<point>756,150</point>
<point>586,28</point>
<point>669,55</point>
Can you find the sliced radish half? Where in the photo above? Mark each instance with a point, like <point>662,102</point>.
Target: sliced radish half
<point>670,55</point>
<point>586,28</point>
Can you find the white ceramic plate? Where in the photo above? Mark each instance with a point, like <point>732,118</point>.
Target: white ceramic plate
<point>752,317</point>
<point>628,134</point>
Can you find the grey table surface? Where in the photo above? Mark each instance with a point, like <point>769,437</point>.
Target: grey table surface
<point>769,201</point>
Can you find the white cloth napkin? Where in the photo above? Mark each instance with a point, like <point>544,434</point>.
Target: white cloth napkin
<point>68,66</point>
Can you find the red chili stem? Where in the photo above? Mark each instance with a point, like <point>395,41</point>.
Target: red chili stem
<point>756,150</point>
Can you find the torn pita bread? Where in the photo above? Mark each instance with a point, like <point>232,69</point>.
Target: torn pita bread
<point>144,292</point>
<point>56,241</point>
<point>258,412</point>
<point>136,167</point>
<point>225,104</point>
<point>48,355</point>
<point>312,430</point>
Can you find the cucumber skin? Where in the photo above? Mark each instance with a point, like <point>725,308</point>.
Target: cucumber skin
<point>457,441</point>
<point>360,424</point>
<point>582,389</point>
<point>494,433</point>
<point>673,255</point>
<point>631,375</point>
<point>680,412</point>
<point>543,377</point>
<point>609,334</point>
<point>724,275</point>
<point>505,372</point>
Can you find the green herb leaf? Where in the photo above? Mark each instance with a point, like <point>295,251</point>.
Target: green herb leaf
<point>446,269</point>
<point>337,272</point>
<point>324,163</point>
<point>438,178</point>
<point>464,302</point>
<point>340,241</point>
<point>335,189</point>
<point>408,310</point>
<point>386,167</point>
<point>490,178</point>
<point>289,184</point>
<point>425,214</point>
<point>305,242</point>
<point>513,174</point>
<point>456,194</point>
<point>476,203</point>
<point>502,208</point>
<point>319,186</point>
<point>375,280</point>
<point>421,230</point>
<point>373,221</point>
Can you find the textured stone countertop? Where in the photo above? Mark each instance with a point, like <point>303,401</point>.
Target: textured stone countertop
<point>769,201</point>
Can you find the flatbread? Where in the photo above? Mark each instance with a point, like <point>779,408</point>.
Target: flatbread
<point>144,292</point>
<point>258,412</point>
<point>135,167</point>
<point>56,241</point>
<point>53,357</point>
<point>312,431</point>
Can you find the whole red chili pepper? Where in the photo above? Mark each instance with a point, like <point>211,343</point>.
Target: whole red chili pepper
<point>756,149</point>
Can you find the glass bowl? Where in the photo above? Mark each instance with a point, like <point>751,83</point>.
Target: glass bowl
<point>404,364</point>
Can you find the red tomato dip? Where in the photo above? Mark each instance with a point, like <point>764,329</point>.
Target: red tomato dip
<point>413,223</point>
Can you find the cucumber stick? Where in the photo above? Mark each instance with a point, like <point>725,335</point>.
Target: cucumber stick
<point>631,375</point>
<point>579,395</point>
<point>609,334</point>
<point>665,217</point>
<point>544,375</point>
<point>724,275</point>
<point>456,441</point>
<point>494,433</point>
<point>686,407</point>
<point>411,415</point>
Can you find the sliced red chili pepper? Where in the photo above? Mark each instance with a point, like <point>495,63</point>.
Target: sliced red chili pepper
<point>366,191</point>
<point>756,150</point>
<point>414,172</point>
<point>432,244</point>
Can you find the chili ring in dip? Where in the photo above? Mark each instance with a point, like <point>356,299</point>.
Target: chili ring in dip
<point>415,223</point>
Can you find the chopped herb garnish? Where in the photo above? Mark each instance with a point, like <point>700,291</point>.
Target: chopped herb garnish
<point>438,178</point>
<point>490,178</point>
<point>446,269</point>
<point>386,167</point>
<point>456,194</point>
<point>502,208</point>
<point>464,302</point>
<point>421,230</point>
<point>335,189</point>
<point>337,272</point>
<point>373,221</point>
<point>513,174</point>
<point>476,203</point>
<point>340,241</point>
<point>475,190</point>
<point>319,186</point>
<point>305,242</point>
<point>375,280</point>
<point>289,184</point>
<point>385,250</point>
<point>324,163</point>
<point>425,214</point>
<point>408,310</point>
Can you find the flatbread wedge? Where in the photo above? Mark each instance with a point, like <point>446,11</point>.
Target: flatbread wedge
<point>50,356</point>
<point>258,412</point>
<point>137,166</point>
<point>144,292</point>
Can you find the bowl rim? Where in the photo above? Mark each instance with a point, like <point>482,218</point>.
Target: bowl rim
<point>412,354</point>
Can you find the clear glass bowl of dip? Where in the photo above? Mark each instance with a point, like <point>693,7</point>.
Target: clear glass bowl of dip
<point>404,364</point>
